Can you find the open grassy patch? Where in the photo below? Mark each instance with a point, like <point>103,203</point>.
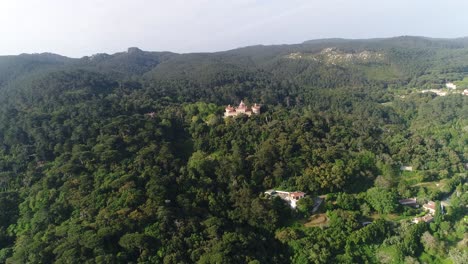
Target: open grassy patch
<point>317,220</point>
<point>462,84</point>
<point>410,177</point>
<point>389,217</point>
<point>392,217</point>
<point>433,185</point>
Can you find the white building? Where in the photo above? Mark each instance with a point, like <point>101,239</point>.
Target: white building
<point>242,109</point>
<point>290,197</point>
<point>451,85</point>
<point>406,168</point>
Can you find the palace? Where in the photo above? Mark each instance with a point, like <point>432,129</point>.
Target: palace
<point>242,109</point>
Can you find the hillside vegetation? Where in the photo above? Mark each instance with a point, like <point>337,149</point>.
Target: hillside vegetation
<point>126,158</point>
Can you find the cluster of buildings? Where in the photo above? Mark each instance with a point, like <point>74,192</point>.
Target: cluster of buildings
<point>429,207</point>
<point>444,93</point>
<point>290,197</point>
<point>449,86</point>
<point>242,109</point>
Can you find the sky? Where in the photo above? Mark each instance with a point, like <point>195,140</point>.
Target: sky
<point>77,28</point>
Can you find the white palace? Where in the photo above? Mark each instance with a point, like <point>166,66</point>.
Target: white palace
<point>242,109</point>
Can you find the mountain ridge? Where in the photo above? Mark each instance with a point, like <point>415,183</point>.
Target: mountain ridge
<point>408,60</point>
<point>310,41</point>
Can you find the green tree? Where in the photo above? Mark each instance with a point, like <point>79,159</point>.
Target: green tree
<point>382,200</point>
<point>305,205</point>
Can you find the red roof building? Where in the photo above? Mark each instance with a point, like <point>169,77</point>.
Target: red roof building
<point>296,195</point>
<point>430,206</point>
<point>427,219</point>
<point>290,197</point>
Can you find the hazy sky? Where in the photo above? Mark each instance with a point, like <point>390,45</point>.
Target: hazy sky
<point>85,27</point>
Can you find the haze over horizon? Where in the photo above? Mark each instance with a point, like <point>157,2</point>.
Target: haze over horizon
<point>77,29</point>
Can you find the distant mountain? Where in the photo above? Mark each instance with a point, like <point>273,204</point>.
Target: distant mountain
<point>12,67</point>
<point>134,61</point>
<point>408,60</point>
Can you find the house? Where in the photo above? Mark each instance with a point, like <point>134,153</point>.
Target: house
<point>151,114</point>
<point>430,207</point>
<point>427,219</point>
<point>40,164</point>
<point>294,197</point>
<point>409,202</point>
<point>290,197</point>
<point>451,85</point>
<point>406,168</point>
<point>242,109</point>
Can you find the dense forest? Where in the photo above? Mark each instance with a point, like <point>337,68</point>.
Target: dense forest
<point>126,158</point>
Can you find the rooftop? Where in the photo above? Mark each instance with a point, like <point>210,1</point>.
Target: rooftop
<point>427,219</point>
<point>430,205</point>
<point>294,194</point>
<point>408,200</point>
<point>290,197</point>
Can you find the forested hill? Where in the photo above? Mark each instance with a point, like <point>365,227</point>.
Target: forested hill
<point>13,67</point>
<point>424,61</point>
<point>125,158</point>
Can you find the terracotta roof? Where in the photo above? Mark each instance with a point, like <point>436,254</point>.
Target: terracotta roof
<point>294,194</point>
<point>427,218</point>
<point>242,105</point>
<point>430,205</point>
